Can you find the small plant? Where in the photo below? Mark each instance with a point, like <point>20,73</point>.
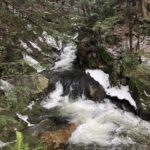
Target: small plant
<point>18,98</point>
<point>124,66</point>
<point>21,145</point>
<point>2,48</point>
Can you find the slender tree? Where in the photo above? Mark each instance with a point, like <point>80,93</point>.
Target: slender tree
<point>129,16</point>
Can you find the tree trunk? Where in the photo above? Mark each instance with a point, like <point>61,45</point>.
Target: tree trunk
<point>129,15</point>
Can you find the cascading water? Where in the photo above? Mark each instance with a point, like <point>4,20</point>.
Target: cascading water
<point>101,123</point>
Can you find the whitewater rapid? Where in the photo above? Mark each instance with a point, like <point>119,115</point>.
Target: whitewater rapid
<point>101,123</point>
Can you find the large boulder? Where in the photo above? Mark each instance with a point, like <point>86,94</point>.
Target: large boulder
<point>87,52</point>
<point>77,83</point>
<point>36,82</point>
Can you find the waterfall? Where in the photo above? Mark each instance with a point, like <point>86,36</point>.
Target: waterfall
<point>102,122</point>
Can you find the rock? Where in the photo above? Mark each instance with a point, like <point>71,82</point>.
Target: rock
<point>108,147</point>
<point>94,91</point>
<point>36,82</point>
<point>91,55</point>
<point>42,83</point>
<point>123,81</point>
<point>146,9</point>
<point>5,86</point>
<point>39,128</point>
<point>55,139</point>
<point>86,49</point>
<point>77,82</point>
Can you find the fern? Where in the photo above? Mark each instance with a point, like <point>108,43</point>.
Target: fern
<point>19,143</point>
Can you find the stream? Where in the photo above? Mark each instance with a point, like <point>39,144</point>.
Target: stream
<point>99,124</point>
<point>106,120</point>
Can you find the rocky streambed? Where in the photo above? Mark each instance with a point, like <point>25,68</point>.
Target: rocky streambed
<point>77,108</point>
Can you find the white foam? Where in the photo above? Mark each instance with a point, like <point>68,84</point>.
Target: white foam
<point>25,46</point>
<point>34,45</point>
<point>30,106</point>
<point>33,63</point>
<point>29,26</point>
<point>5,86</point>
<point>100,76</point>
<point>48,39</point>
<point>101,123</point>
<point>121,92</point>
<point>145,60</point>
<point>25,119</point>
<point>76,36</point>
<point>66,58</point>
<point>54,98</point>
<point>3,144</point>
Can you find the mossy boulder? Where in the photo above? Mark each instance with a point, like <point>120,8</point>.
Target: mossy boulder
<point>24,90</point>
<point>36,82</point>
<point>139,84</point>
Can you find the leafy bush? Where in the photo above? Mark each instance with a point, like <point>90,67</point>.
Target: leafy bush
<point>18,98</point>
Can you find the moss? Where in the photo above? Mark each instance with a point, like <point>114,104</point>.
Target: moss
<point>123,67</point>
<point>8,124</point>
<point>104,56</point>
<point>14,69</point>
<point>140,87</point>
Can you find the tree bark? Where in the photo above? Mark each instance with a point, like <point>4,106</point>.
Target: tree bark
<point>129,15</point>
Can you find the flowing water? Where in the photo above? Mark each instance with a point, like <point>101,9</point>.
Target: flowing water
<point>99,123</point>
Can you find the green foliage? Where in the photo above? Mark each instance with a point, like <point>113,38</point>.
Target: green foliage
<point>78,21</point>
<point>139,84</point>
<point>17,98</point>
<point>103,55</point>
<point>14,68</point>
<point>130,60</point>
<point>23,2</point>
<point>144,27</point>
<point>21,145</point>
<point>106,24</point>
<point>107,8</point>
<point>2,48</point>
<point>124,66</point>
<point>83,2</point>
<point>6,120</point>
<point>104,8</point>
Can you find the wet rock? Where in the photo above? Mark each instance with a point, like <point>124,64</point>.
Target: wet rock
<point>41,127</point>
<point>94,91</point>
<point>112,147</point>
<point>77,82</point>
<point>122,104</point>
<point>55,139</point>
<point>38,114</point>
